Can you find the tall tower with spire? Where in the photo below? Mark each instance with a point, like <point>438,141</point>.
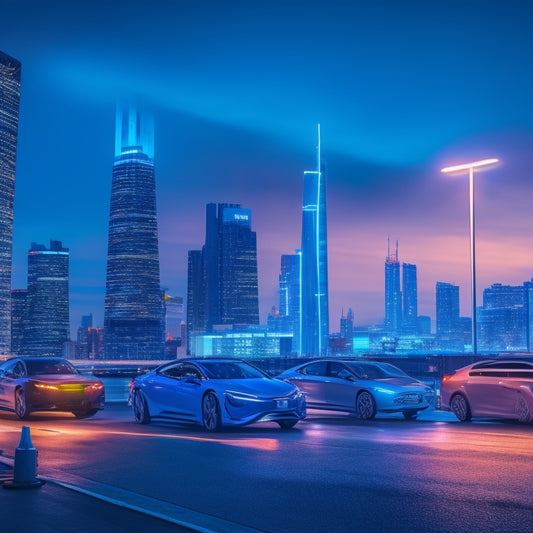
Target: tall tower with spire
<point>134,324</point>
<point>314,262</point>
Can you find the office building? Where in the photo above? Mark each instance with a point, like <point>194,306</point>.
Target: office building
<point>503,319</point>
<point>222,277</point>
<point>290,299</point>
<point>48,327</point>
<point>10,70</point>
<point>449,329</point>
<point>134,312</point>
<point>410,298</point>
<point>314,250</point>
<point>393,293</point>
<point>18,320</point>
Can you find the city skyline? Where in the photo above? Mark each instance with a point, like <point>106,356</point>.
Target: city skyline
<point>235,115</point>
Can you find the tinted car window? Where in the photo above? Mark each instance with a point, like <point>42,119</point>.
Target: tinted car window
<point>315,369</point>
<point>231,370</point>
<point>36,367</point>
<point>338,370</point>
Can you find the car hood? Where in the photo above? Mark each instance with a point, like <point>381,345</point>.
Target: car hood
<point>261,387</point>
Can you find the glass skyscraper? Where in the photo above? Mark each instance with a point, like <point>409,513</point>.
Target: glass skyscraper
<point>47,298</point>
<point>393,293</point>
<point>134,321</point>
<point>314,249</point>
<point>410,298</point>
<point>449,333</point>
<point>290,299</point>
<point>9,117</point>
<point>222,277</point>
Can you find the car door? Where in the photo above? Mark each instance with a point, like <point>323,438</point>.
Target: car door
<point>175,394</point>
<point>311,380</point>
<point>340,387</point>
<point>487,393</point>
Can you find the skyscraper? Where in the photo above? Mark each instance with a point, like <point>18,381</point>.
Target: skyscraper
<point>290,296</point>
<point>9,117</point>
<point>48,326</point>
<point>134,322</point>
<point>315,310</point>
<point>393,293</point>
<point>410,298</point>
<point>19,318</point>
<point>222,277</point>
<point>449,333</point>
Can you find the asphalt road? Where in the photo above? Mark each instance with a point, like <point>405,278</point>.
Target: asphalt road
<point>330,473</point>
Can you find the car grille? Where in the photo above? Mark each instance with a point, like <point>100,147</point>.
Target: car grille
<point>409,398</point>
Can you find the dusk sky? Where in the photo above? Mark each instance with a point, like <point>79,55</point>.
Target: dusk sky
<point>400,89</point>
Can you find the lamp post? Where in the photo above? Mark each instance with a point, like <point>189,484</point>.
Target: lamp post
<point>458,170</point>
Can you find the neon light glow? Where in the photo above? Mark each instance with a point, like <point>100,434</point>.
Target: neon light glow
<point>468,166</point>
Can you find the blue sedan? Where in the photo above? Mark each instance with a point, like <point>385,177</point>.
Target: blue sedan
<point>363,388</point>
<point>215,393</point>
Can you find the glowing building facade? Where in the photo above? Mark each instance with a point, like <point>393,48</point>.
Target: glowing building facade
<point>315,310</point>
<point>134,320</point>
<point>10,70</point>
<point>47,325</point>
<point>222,278</point>
<point>290,298</point>
<point>393,293</point>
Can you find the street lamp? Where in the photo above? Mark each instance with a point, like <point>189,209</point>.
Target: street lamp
<point>455,171</point>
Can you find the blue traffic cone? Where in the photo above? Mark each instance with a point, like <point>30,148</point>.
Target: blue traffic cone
<point>25,464</point>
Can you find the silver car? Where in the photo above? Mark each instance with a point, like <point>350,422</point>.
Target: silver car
<point>360,387</point>
<point>494,389</point>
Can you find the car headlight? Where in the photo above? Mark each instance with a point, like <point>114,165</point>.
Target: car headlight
<point>240,398</point>
<point>45,386</point>
<point>94,387</point>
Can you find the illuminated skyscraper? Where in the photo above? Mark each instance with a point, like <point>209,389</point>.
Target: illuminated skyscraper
<point>449,334</point>
<point>134,321</point>
<point>222,278</point>
<point>47,328</point>
<point>290,300</point>
<point>315,311</point>
<point>410,298</point>
<point>9,117</point>
<point>393,293</point>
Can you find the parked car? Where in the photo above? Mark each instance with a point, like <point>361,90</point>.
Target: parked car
<point>215,393</point>
<point>30,384</point>
<point>363,388</point>
<point>494,389</point>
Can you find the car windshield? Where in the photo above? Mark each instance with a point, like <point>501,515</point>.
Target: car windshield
<point>36,367</point>
<point>231,370</point>
<point>377,371</point>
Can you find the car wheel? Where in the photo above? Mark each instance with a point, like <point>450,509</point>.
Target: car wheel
<point>140,408</point>
<point>522,410</point>
<point>460,408</point>
<point>210,412</point>
<point>365,406</point>
<point>21,407</point>
<point>410,415</point>
<point>85,413</point>
<point>287,424</point>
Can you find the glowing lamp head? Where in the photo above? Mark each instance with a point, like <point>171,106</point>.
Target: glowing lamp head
<point>483,164</point>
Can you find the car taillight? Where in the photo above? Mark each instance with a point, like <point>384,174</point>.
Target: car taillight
<point>447,377</point>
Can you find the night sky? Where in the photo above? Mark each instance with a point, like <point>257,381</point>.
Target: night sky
<point>400,89</point>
